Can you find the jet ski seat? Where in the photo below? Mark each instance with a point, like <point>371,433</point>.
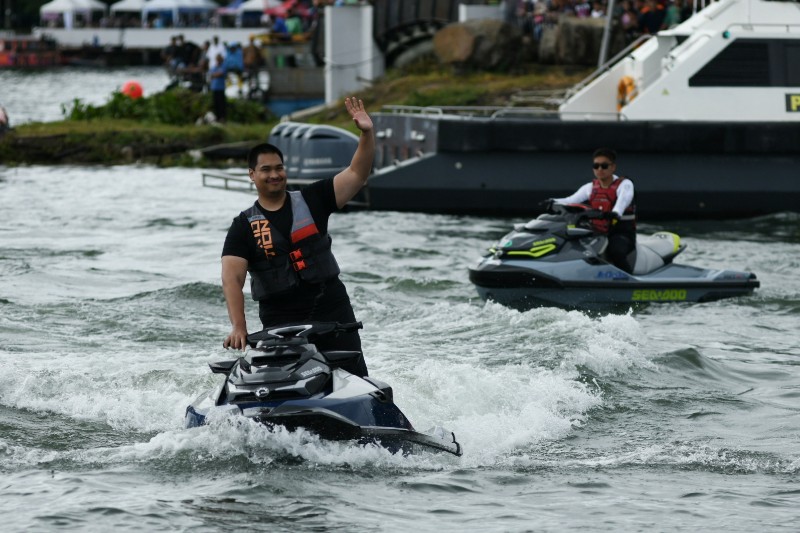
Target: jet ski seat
<point>654,251</point>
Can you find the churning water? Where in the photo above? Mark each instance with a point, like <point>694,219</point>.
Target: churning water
<point>672,418</point>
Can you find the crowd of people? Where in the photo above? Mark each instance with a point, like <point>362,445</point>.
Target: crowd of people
<point>206,68</point>
<point>635,17</point>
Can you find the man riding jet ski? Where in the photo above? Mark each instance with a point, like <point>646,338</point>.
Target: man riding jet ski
<point>560,259</point>
<point>284,380</point>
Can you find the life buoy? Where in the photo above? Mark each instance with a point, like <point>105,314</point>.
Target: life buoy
<point>626,92</point>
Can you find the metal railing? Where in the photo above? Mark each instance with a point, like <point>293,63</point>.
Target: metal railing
<point>236,182</point>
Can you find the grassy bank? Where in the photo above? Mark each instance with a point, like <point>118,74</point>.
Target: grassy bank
<point>161,129</point>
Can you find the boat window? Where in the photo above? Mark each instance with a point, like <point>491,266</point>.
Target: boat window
<point>752,63</point>
<point>793,64</point>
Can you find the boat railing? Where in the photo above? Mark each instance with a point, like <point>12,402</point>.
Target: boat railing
<point>466,111</point>
<point>541,98</point>
<point>239,182</point>
<point>608,116</point>
<point>228,182</point>
<point>605,67</point>
<point>763,25</point>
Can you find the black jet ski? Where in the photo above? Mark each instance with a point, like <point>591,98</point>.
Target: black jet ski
<point>558,260</point>
<point>284,380</point>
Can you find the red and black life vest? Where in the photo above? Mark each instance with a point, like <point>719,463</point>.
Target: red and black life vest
<point>310,260</point>
<point>604,200</point>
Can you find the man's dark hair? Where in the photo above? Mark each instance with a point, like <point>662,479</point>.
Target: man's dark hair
<point>263,148</point>
<point>606,152</point>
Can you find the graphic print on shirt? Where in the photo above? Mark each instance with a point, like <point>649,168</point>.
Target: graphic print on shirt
<point>263,234</point>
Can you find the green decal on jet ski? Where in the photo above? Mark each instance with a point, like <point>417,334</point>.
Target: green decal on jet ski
<point>643,295</point>
<point>536,251</point>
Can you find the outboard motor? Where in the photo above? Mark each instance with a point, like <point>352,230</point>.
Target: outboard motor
<point>324,151</point>
<point>276,136</point>
<point>313,152</point>
<point>293,151</point>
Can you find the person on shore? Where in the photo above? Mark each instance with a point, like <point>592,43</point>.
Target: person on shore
<point>215,49</point>
<point>614,196</point>
<point>5,123</point>
<point>234,63</point>
<point>217,78</point>
<point>253,62</point>
<point>282,241</point>
<point>169,55</point>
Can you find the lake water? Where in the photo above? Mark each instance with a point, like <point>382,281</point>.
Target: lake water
<point>677,417</point>
<point>39,96</point>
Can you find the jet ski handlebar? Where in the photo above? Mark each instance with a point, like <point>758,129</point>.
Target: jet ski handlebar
<point>307,332</point>
<point>575,214</point>
<point>579,209</point>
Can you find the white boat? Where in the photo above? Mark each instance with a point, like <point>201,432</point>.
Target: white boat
<point>705,118</point>
<point>733,61</point>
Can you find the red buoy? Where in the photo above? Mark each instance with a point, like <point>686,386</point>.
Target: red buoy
<point>132,89</point>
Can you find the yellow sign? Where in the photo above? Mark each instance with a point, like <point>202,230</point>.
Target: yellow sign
<point>793,103</point>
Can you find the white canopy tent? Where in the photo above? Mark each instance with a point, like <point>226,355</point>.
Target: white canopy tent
<point>68,8</point>
<point>176,7</point>
<point>129,6</point>
<point>258,5</point>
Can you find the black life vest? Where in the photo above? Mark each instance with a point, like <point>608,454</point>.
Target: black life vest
<point>310,260</point>
<point>604,200</point>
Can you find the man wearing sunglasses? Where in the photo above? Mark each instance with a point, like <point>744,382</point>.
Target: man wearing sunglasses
<point>614,196</point>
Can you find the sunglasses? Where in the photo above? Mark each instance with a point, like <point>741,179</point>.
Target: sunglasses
<point>604,166</point>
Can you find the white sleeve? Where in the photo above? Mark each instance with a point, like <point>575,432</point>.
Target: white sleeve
<point>580,196</point>
<point>624,197</point>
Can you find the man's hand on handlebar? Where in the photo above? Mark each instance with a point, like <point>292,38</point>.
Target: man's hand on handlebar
<point>547,205</point>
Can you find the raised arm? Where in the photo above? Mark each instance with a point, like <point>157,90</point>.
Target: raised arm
<point>349,181</point>
<point>234,273</point>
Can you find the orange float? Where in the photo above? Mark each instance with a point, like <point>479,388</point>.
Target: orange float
<point>132,89</point>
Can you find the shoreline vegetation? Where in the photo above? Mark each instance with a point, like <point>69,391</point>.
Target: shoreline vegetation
<point>163,129</point>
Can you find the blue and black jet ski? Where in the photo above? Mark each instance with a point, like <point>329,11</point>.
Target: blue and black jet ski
<point>283,380</point>
<point>557,259</point>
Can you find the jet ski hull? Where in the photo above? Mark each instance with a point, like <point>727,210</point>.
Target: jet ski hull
<point>285,381</point>
<point>582,285</point>
<point>365,420</point>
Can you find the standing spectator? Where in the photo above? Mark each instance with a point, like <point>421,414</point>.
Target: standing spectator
<point>294,24</point>
<point>169,55</point>
<point>215,49</point>
<point>5,123</point>
<point>651,17</point>
<point>234,63</point>
<point>253,61</point>
<point>630,21</point>
<point>217,77</point>
<point>672,15</point>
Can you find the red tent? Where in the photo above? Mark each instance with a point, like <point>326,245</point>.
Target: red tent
<point>283,10</point>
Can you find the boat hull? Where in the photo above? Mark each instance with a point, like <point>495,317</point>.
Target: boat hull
<point>479,166</point>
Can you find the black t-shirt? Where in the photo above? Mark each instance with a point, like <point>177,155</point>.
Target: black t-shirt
<point>310,301</point>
